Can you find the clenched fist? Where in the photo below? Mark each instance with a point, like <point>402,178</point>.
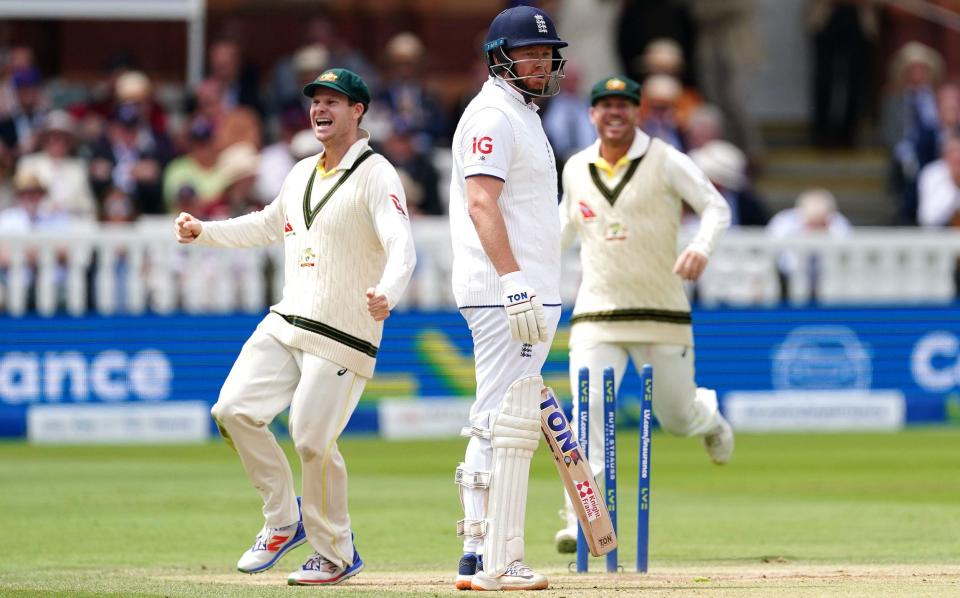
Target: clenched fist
<point>377,305</point>
<point>690,265</point>
<point>188,228</point>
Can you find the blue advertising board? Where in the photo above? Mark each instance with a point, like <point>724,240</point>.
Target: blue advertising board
<point>153,359</point>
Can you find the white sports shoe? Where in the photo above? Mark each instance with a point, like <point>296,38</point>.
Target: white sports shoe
<point>719,442</point>
<point>318,570</point>
<point>566,540</point>
<point>271,544</point>
<point>518,576</point>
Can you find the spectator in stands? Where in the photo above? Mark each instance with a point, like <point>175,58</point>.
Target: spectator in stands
<point>727,49</point>
<point>844,32</point>
<point>664,56</point>
<point>238,81</point>
<point>321,33</point>
<point>726,167</point>
<point>129,160</point>
<point>134,87</point>
<point>565,118</point>
<point>6,177</point>
<point>30,211</point>
<point>65,177</point>
<point>815,210</point>
<point>193,180</point>
<point>237,167</point>
<point>939,184</point>
<point>405,95</point>
<point>230,125</point>
<point>704,125</point>
<point>948,110</point>
<point>277,159</point>
<point>910,121</point>
<point>117,207</point>
<point>19,127</point>
<point>658,109</point>
<point>418,175</point>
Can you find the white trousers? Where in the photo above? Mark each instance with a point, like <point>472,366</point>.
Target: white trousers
<point>499,361</point>
<point>268,377</point>
<point>681,408</point>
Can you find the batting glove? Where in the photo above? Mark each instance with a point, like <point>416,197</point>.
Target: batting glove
<point>524,311</point>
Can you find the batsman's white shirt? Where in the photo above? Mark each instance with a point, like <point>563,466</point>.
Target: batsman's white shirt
<point>500,135</point>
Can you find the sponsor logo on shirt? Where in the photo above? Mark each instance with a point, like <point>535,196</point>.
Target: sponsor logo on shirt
<point>587,213</point>
<point>484,145</point>
<point>287,229</point>
<point>397,204</point>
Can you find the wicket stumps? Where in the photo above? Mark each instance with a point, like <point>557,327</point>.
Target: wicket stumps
<point>610,460</point>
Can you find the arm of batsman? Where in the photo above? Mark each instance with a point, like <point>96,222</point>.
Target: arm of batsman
<point>528,324</point>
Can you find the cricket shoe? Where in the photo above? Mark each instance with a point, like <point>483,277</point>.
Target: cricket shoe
<point>566,540</point>
<point>271,544</point>
<point>470,563</point>
<point>719,442</point>
<point>320,571</point>
<point>518,576</point>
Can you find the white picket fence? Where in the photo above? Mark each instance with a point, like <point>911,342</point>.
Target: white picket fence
<point>140,268</point>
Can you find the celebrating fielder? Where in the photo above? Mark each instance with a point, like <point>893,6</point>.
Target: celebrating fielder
<point>506,278</point>
<point>349,254</point>
<point>622,196</point>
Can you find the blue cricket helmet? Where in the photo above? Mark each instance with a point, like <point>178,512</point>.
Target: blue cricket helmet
<point>522,26</point>
<point>519,27</point>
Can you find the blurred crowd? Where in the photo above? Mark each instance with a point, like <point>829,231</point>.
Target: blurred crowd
<point>125,147</point>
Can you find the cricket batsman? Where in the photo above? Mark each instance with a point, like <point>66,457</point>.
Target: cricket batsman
<point>506,281</point>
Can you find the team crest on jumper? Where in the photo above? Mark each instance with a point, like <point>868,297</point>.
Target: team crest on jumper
<point>616,232</point>
<point>588,214</point>
<point>308,259</point>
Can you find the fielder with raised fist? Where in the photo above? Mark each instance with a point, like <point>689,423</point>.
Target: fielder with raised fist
<point>348,256</point>
<point>506,281</point>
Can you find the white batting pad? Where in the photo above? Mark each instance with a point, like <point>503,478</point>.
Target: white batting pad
<point>515,434</point>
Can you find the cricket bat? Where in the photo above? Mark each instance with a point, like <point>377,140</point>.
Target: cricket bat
<point>577,476</point>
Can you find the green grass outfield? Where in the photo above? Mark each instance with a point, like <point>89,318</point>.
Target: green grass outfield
<point>792,514</point>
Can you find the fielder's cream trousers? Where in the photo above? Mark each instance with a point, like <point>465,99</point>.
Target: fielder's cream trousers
<point>268,377</point>
<point>681,408</point>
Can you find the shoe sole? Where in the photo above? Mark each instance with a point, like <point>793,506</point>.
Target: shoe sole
<point>327,582</point>
<point>464,583</point>
<point>500,588</point>
<point>275,559</point>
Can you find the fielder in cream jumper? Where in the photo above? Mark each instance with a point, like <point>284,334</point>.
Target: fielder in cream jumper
<point>349,254</point>
<point>506,278</point>
<point>623,197</point>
